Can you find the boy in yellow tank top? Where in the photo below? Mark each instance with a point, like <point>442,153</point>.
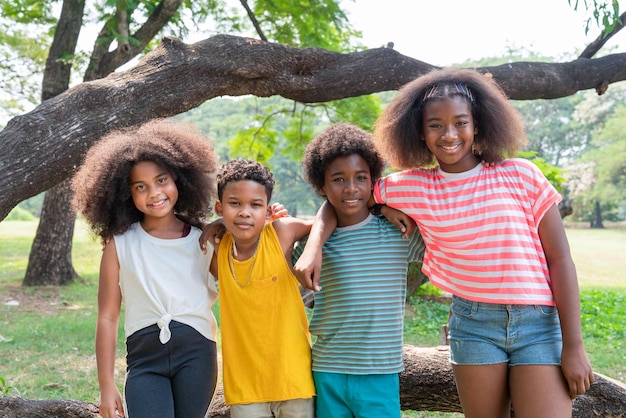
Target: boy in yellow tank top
<point>266,345</point>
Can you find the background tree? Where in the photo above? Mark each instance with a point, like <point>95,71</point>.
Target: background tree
<point>598,180</point>
<point>50,258</point>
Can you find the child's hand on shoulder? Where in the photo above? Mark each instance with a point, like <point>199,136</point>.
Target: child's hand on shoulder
<point>401,220</point>
<point>278,211</point>
<point>491,162</point>
<point>212,233</point>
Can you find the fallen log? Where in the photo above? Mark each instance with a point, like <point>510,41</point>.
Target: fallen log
<point>427,384</point>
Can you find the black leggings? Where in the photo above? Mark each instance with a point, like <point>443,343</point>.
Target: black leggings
<point>172,380</point>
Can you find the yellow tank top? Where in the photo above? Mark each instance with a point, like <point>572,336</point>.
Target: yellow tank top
<point>266,345</point>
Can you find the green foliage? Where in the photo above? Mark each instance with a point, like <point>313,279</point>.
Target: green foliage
<point>23,51</point>
<point>552,173</point>
<point>256,143</point>
<point>29,11</point>
<point>32,206</point>
<point>553,133</point>
<point>305,23</point>
<point>583,137</point>
<point>275,131</point>
<point>5,388</point>
<point>361,111</point>
<point>19,214</point>
<point>605,13</point>
<point>600,175</point>
<point>428,312</point>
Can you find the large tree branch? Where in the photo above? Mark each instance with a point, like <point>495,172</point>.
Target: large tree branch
<point>41,148</point>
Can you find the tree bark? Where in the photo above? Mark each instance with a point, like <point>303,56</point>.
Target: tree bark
<point>56,76</point>
<point>50,257</point>
<point>43,147</point>
<point>427,384</point>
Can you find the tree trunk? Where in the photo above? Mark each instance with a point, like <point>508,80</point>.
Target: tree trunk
<point>596,221</point>
<point>50,258</point>
<point>414,278</point>
<point>427,384</point>
<point>565,208</point>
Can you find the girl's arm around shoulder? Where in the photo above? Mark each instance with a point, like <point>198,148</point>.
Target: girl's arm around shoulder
<point>401,220</point>
<point>211,233</point>
<point>574,362</point>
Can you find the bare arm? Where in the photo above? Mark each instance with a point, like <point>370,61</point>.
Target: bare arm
<point>109,304</point>
<point>401,220</point>
<point>290,230</point>
<point>574,362</point>
<point>309,265</point>
<point>211,233</point>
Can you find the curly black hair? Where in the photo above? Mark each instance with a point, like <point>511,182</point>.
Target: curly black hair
<point>339,140</point>
<point>102,184</point>
<point>241,169</point>
<point>399,129</point>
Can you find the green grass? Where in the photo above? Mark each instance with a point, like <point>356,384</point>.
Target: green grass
<point>47,341</point>
<point>599,256</point>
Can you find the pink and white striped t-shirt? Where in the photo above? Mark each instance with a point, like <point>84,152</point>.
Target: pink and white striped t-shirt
<point>480,228</point>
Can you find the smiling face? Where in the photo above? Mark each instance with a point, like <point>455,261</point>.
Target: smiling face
<point>153,189</point>
<point>244,209</point>
<point>449,131</point>
<point>348,187</point>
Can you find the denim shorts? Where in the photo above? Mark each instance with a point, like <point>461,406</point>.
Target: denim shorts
<point>487,333</point>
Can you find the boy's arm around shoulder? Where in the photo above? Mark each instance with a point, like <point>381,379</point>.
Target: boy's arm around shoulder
<point>309,264</point>
<point>289,231</point>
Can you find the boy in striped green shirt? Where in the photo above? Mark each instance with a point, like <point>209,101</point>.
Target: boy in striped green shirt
<point>359,308</point>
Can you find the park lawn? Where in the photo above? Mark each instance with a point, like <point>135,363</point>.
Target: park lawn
<point>599,256</point>
<point>47,347</point>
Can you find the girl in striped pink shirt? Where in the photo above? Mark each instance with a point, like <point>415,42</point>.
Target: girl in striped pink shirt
<point>494,239</point>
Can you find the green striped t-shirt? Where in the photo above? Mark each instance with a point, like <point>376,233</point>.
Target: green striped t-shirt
<point>358,316</point>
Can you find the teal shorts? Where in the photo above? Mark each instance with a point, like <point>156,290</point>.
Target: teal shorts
<point>357,396</point>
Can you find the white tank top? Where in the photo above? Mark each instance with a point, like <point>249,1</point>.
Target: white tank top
<point>165,280</point>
